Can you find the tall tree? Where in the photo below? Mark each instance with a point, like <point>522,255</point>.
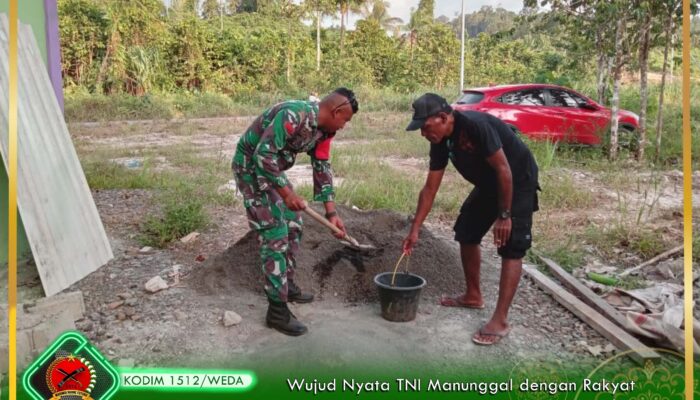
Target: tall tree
<point>131,24</point>
<point>318,9</point>
<point>423,15</point>
<point>212,9</point>
<point>291,14</point>
<point>378,11</point>
<point>232,6</point>
<point>670,9</point>
<point>84,28</point>
<point>626,39</point>
<point>643,12</point>
<point>182,7</point>
<point>345,7</point>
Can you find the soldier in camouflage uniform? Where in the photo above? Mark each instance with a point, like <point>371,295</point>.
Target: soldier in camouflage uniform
<point>268,148</point>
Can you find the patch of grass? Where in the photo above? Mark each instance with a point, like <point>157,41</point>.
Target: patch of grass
<point>107,175</point>
<point>632,282</point>
<point>646,243</point>
<point>545,152</point>
<point>568,254</point>
<point>561,192</point>
<point>91,107</point>
<point>183,212</point>
<point>369,183</point>
<point>408,148</point>
<point>366,182</point>
<point>208,105</point>
<point>637,239</point>
<point>95,107</point>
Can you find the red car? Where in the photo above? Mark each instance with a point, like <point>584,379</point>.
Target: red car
<point>548,112</point>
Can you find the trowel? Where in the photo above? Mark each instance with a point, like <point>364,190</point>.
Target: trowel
<point>347,240</point>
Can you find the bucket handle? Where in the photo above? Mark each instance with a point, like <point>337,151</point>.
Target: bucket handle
<point>393,276</point>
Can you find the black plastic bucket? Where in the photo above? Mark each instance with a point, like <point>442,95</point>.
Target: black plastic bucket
<point>399,302</point>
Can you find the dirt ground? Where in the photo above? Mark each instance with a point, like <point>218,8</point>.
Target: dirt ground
<point>182,326</point>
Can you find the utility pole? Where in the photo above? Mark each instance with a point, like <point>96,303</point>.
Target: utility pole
<point>461,64</point>
<point>318,40</point>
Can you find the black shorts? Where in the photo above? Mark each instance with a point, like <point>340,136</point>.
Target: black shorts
<point>479,212</point>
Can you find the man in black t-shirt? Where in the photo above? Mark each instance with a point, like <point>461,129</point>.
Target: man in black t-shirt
<point>487,153</point>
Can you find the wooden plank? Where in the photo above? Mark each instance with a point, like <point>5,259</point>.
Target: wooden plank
<point>63,226</point>
<point>623,340</point>
<point>585,294</point>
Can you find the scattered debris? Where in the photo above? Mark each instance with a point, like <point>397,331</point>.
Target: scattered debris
<point>129,311</point>
<point>200,258</point>
<point>231,318</point>
<point>115,305</point>
<point>658,258</point>
<point>598,350</point>
<point>190,237</point>
<point>40,323</point>
<point>146,249</point>
<point>656,313</point>
<point>585,294</point>
<point>623,340</point>
<point>180,315</point>
<point>156,284</point>
<point>176,274</point>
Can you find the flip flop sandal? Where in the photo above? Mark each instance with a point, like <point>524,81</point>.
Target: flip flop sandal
<point>498,337</point>
<point>447,301</point>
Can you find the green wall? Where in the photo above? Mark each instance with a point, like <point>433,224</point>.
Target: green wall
<point>30,12</point>
<point>23,250</point>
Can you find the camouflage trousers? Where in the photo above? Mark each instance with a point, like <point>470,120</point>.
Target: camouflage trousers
<point>278,229</point>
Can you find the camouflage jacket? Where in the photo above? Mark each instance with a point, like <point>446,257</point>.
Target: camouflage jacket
<point>270,145</point>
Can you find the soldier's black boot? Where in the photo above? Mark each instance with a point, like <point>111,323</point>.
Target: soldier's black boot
<point>295,295</point>
<point>279,317</point>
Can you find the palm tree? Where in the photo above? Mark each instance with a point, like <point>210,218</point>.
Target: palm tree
<point>378,11</point>
<point>319,8</point>
<point>345,7</point>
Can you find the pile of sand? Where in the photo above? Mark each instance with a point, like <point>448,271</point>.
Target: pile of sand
<point>330,269</point>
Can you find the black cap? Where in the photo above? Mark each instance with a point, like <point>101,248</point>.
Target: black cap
<point>425,107</point>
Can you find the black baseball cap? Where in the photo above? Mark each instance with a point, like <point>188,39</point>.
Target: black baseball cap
<point>425,107</point>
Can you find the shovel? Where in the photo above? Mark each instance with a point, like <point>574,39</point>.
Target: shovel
<point>347,240</point>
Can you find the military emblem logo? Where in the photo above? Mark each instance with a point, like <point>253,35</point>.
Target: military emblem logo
<point>71,369</point>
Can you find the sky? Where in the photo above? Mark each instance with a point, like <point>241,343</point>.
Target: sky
<point>449,8</point>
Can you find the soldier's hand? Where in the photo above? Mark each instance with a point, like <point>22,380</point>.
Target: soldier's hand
<point>294,202</point>
<point>335,220</point>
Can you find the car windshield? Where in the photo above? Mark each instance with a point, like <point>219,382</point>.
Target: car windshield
<point>470,98</point>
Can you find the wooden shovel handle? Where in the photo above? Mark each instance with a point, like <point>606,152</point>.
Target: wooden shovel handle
<point>318,217</point>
